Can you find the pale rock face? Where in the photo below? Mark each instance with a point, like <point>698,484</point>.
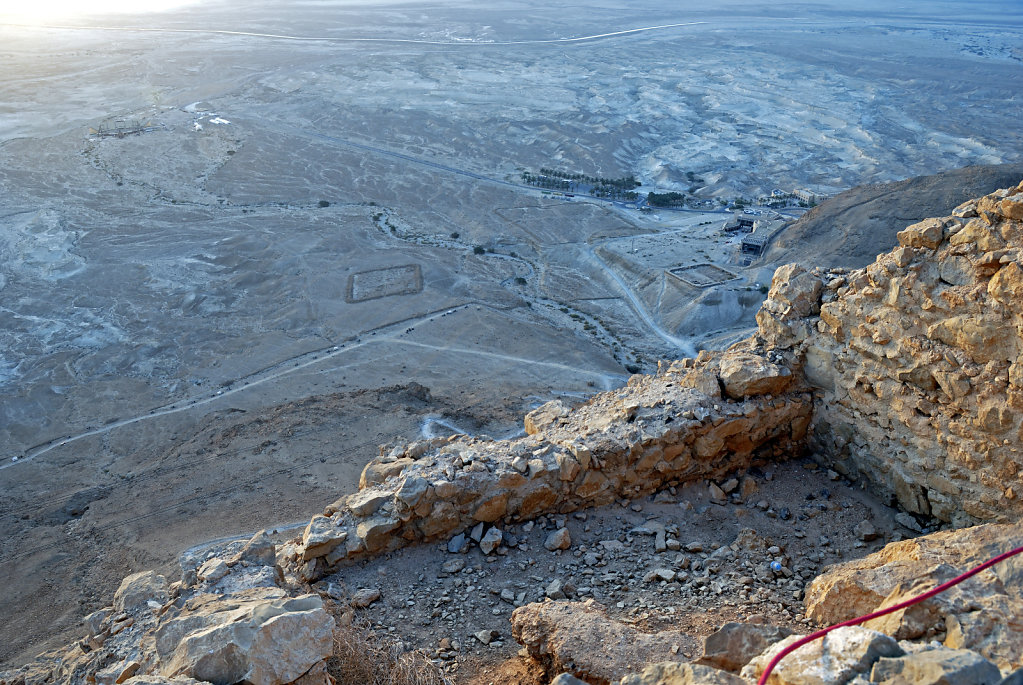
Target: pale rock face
<point>137,590</point>
<point>490,541</point>
<point>259,550</point>
<point>545,416</point>
<point>732,647</point>
<point>746,375</point>
<point>321,536</point>
<point>379,470</point>
<point>558,539</point>
<point>213,570</point>
<point>938,666</point>
<point>576,637</point>
<point>915,361</point>
<point>263,642</point>
<point>673,673</point>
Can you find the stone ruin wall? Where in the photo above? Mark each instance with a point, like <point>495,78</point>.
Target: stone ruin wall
<point>695,419</point>
<point>917,362</point>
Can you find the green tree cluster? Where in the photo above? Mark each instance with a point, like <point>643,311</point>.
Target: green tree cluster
<point>671,199</point>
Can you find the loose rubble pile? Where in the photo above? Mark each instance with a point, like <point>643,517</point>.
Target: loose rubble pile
<point>907,374</point>
<point>677,563</point>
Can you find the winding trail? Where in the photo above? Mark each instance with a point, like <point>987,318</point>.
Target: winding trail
<point>289,366</point>
<point>280,370</point>
<point>606,378</point>
<point>640,308</point>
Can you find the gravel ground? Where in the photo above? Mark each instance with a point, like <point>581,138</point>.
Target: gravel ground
<point>681,559</point>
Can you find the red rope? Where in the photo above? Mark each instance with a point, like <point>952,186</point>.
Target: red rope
<point>901,605</point>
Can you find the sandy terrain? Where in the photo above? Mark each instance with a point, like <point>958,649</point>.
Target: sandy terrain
<point>316,221</point>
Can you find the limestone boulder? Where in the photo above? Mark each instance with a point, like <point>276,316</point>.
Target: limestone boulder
<point>703,379</point>
<point>1012,207</point>
<point>380,469</point>
<point>858,587</point>
<point>981,614</point>
<point>795,292</point>
<point>795,296</point>
<point>259,550</point>
<point>735,644</point>
<point>545,416</point>
<point>747,375</point>
<point>138,589</point>
<point>578,638</point>
<point>673,673</point>
<point>320,537</point>
<point>1007,285</point>
<point>835,659</point>
<point>937,666</point>
<point>373,532</point>
<point>365,502</point>
<point>927,233</point>
<point>257,641</point>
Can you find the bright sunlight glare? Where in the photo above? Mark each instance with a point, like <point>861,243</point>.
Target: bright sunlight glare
<point>50,11</point>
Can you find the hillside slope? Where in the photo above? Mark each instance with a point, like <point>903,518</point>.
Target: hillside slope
<point>850,229</point>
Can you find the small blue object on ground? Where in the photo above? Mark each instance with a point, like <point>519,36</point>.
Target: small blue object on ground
<point>775,565</point>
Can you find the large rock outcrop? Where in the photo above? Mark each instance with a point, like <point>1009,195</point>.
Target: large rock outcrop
<point>916,360</point>
<point>237,625</point>
<point>982,614</point>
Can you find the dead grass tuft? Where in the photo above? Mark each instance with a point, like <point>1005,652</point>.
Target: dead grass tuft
<point>361,658</point>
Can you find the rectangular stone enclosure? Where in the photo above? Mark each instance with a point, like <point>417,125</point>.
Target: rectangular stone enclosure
<point>702,275</point>
<point>376,283</point>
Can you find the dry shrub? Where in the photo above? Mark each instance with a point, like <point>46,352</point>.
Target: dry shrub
<point>360,658</point>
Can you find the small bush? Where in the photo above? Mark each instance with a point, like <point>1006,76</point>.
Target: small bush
<point>455,234</point>
<point>479,249</point>
<point>323,204</point>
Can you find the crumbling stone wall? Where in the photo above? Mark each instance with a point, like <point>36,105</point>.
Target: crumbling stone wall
<point>916,360</point>
<point>696,419</point>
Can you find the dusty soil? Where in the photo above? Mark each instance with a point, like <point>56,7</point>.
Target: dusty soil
<point>429,595</point>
